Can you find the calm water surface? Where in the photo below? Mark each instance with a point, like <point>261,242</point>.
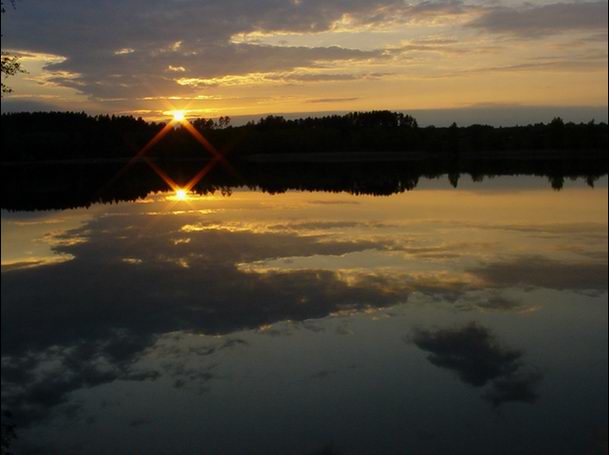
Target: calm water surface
<point>436,321</point>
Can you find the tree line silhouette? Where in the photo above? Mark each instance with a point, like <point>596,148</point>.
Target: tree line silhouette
<point>44,136</point>
<point>62,160</point>
<point>71,185</point>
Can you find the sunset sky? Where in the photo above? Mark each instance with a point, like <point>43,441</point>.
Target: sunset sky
<point>246,57</point>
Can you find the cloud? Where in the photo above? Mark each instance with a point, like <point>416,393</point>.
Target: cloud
<point>36,381</point>
<point>575,65</point>
<point>148,37</point>
<point>174,48</point>
<point>537,271</point>
<point>152,41</point>
<point>557,228</point>
<point>478,359</point>
<point>209,66</point>
<point>275,77</point>
<point>20,265</point>
<point>518,387</point>
<point>332,100</point>
<point>311,225</point>
<point>548,19</point>
<point>28,105</point>
<point>94,325</point>
<point>489,301</point>
<point>130,283</point>
<point>471,351</point>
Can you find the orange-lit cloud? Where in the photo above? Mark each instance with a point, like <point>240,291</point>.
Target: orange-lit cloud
<point>275,58</point>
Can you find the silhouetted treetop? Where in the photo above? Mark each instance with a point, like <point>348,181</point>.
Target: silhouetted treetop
<point>75,135</point>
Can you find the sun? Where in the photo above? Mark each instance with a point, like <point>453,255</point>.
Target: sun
<point>181,194</point>
<point>178,116</point>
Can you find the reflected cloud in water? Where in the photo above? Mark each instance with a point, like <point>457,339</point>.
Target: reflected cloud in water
<point>163,298</point>
<point>536,271</point>
<point>478,359</point>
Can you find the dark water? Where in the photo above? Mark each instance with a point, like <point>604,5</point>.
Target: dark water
<point>441,320</point>
<point>66,185</point>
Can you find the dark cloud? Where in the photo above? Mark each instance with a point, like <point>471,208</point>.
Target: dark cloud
<point>471,351</point>
<point>209,350</point>
<point>140,74</point>
<point>150,36</point>
<point>156,25</point>
<point>545,19</point>
<point>30,391</point>
<point>136,278</point>
<point>479,360</point>
<point>323,374</point>
<point>127,50</point>
<point>519,387</point>
<point>486,301</point>
<point>139,422</point>
<point>538,271</point>
<point>574,65</point>
<point>96,315</point>
<point>439,7</point>
<point>27,105</point>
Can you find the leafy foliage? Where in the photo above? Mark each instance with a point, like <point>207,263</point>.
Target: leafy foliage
<point>10,63</point>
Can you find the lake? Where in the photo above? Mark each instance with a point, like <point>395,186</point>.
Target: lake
<point>438,320</point>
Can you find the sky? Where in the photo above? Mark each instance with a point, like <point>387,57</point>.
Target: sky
<point>499,61</point>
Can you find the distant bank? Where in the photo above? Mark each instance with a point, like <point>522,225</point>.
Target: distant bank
<point>498,115</point>
<point>356,136</point>
<point>494,114</point>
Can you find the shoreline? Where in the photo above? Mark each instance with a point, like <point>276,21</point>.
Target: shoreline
<point>343,157</point>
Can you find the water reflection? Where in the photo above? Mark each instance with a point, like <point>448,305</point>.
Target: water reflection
<point>80,184</point>
<point>473,352</point>
<point>260,316</point>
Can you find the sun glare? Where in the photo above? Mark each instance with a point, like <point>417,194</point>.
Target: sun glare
<point>181,194</point>
<point>178,116</point>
